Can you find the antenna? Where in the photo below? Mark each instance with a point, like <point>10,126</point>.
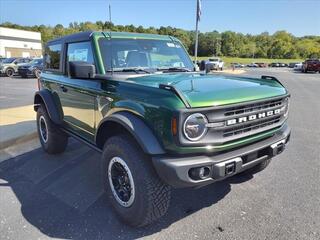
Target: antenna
<point>111,55</point>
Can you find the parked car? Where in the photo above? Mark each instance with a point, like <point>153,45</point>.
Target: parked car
<point>298,67</point>
<point>274,65</point>
<point>157,123</point>
<point>2,59</point>
<point>237,65</point>
<point>262,65</point>
<point>32,68</point>
<point>283,65</point>
<point>253,65</point>
<point>9,66</point>
<point>292,64</point>
<point>311,65</point>
<point>215,63</point>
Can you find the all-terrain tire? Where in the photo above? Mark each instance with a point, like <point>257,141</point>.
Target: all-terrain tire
<point>151,195</point>
<point>53,140</point>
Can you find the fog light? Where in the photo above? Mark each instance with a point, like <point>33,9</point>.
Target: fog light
<point>199,173</point>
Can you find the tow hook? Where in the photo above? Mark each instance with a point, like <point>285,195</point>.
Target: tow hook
<point>278,147</point>
<point>230,168</point>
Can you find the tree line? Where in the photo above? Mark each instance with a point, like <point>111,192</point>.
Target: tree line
<point>280,45</point>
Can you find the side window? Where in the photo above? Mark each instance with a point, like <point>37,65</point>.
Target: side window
<point>52,57</point>
<point>80,51</point>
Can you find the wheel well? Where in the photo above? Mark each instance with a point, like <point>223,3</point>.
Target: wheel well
<point>109,129</point>
<point>37,101</point>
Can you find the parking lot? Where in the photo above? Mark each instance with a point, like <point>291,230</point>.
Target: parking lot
<point>43,197</point>
<point>16,91</point>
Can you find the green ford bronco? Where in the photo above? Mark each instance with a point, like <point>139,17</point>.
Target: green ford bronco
<point>158,123</point>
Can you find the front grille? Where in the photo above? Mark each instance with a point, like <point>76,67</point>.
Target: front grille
<point>251,126</point>
<point>253,107</point>
<point>256,125</point>
<point>224,125</point>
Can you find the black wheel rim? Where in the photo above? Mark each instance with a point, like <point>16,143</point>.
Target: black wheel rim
<point>121,182</point>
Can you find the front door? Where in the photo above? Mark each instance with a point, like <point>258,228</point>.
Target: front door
<point>78,103</point>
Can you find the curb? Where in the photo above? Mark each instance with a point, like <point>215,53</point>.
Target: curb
<point>18,140</point>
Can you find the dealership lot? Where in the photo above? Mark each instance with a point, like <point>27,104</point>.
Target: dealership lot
<point>44,196</point>
<point>16,91</point>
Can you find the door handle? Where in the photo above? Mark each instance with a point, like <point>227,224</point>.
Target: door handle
<point>63,88</point>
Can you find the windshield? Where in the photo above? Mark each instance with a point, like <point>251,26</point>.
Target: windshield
<point>36,61</point>
<point>8,60</point>
<point>143,54</point>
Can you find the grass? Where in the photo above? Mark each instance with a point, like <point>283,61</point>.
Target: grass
<point>229,60</point>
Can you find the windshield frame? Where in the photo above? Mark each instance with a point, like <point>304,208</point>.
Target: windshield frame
<point>186,60</point>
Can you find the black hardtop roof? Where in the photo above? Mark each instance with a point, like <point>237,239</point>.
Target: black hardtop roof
<point>81,36</point>
<point>85,36</point>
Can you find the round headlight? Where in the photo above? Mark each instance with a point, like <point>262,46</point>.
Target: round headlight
<point>195,127</point>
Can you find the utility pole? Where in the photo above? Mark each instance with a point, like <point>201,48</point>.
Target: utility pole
<point>110,13</point>
<point>198,14</point>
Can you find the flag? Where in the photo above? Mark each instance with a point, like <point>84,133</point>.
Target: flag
<point>198,10</point>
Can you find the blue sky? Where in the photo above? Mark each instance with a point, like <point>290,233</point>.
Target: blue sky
<point>300,17</point>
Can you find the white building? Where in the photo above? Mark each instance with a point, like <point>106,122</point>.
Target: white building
<point>19,43</point>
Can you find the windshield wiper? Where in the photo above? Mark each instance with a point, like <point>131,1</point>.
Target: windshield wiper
<point>174,69</point>
<point>136,70</point>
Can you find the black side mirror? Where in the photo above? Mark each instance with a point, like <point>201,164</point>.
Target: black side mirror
<point>79,69</point>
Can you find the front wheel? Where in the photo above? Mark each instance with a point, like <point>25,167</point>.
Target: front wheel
<point>136,193</point>
<point>9,72</point>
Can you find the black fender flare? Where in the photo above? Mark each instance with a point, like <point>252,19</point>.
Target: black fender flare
<point>52,103</point>
<point>138,129</point>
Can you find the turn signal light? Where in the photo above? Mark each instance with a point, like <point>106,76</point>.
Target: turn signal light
<point>174,128</point>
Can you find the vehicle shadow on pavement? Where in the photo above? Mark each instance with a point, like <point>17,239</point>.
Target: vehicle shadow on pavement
<point>61,196</point>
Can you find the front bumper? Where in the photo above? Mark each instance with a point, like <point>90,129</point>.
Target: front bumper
<point>25,72</point>
<point>175,171</point>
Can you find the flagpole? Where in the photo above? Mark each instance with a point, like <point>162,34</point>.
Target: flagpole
<point>196,44</point>
<point>198,13</point>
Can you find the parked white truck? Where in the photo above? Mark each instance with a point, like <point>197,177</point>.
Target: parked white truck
<point>215,63</point>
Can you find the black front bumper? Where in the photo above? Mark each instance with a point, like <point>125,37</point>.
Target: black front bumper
<point>25,72</point>
<point>175,171</point>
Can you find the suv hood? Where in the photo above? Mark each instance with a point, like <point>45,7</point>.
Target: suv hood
<point>203,90</point>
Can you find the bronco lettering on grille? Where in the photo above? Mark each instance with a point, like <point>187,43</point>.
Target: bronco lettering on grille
<point>253,117</point>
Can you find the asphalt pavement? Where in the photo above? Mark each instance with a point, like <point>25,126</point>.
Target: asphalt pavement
<point>17,91</point>
<point>44,197</point>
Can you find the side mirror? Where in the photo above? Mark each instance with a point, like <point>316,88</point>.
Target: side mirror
<point>79,69</point>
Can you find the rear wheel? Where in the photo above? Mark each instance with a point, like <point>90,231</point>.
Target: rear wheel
<point>9,72</point>
<point>37,73</point>
<point>52,139</point>
<point>136,193</point>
